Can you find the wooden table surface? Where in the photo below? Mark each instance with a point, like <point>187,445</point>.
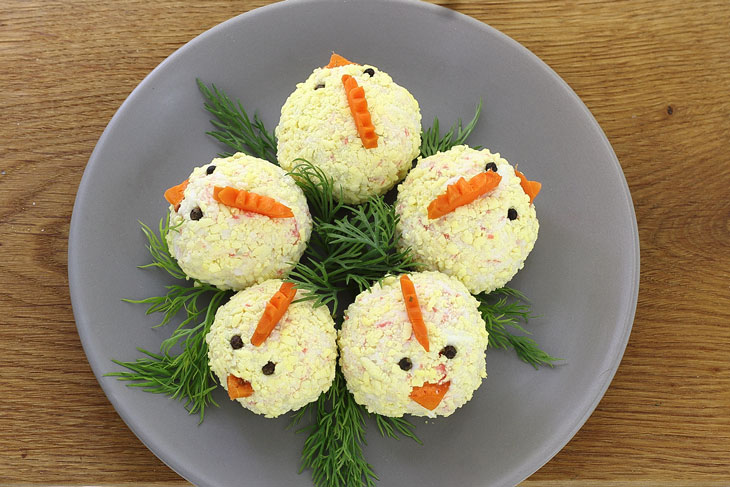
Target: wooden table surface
<point>655,74</point>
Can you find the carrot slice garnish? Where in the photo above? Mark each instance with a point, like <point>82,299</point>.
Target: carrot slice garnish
<point>248,201</point>
<point>360,113</point>
<point>275,309</point>
<point>175,195</point>
<point>429,395</point>
<point>529,187</point>
<point>462,193</point>
<point>238,387</point>
<point>336,61</point>
<point>414,311</point>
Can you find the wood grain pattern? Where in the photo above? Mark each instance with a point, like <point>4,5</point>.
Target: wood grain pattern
<point>655,74</point>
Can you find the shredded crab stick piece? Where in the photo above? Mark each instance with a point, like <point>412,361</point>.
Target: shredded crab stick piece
<point>529,187</point>
<point>361,114</point>
<point>414,311</point>
<point>275,309</point>
<point>336,61</point>
<point>462,193</point>
<point>256,203</point>
<point>175,195</point>
<point>429,395</point>
<point>238,387</point>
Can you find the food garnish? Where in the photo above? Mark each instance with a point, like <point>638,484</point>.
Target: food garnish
<point>336,61</point>
<point>462,193</point>
<point>531,188</point>
<point>360,113</point>
<point>414,311</point>
<point>275,309</point>
<point>238,387</point>
<point>429,395</point>
<point>249,201</point>
<point>175,195</point>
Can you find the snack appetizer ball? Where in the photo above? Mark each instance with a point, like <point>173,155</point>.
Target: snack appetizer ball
<point>270,354</point>
<point>414,344</point>
<point>355,124</point>
<point>468,214</point>
<point>237,221</point>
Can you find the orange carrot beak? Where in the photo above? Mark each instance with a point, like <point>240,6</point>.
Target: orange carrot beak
<point>175,195</point>
<point>430,395</point>
<point>238,387</point>
<point>529,187</point>
<point>336,61</point>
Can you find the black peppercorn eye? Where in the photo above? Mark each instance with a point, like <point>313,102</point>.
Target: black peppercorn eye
<point>512,214</point>
<point>269,368</point>
<point>236,342</point>
<point>491,167</point>
<point>320,85</point>
<point>405,363</point>
<point>449,351</point>
<point>370,71</point>
<point>196,213</point>
<point>210,170</point>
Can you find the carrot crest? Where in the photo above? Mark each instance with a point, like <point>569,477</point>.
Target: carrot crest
<point>414,311</point>
<point>462,193</point>
<point>529,187</point>
<point>360,113</point>
<point>175,195</point>
<point>275,309</point>
<point>248,201</point>
<point>336,61</point>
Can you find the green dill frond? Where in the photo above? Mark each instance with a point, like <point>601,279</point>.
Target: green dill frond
<point>186,375</point>
<point>351,253</point>
<point>235,128</point>
<point>392,427</point>
<point>319,190</point>
<point>333,450</point>
<point>507,308</point>
<point>157,247</point>
<point>432,141</point>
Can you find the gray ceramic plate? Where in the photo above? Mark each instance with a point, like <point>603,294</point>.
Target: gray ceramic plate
<point>582,276</point>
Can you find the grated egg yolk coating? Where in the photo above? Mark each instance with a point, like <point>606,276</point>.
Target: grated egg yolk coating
<point>376,337</point>
<point>317,125</point>
<point>483,243</point>
<point>302,348</point>
<point>232,248</point>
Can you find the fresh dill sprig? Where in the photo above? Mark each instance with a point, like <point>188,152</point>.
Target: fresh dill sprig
<point>235,128</point>
<point>368,233</point>
<point>391,427</point>
<point>333,450</point>
<point>507,307</point>
<point>319,190</point>
<point>360,249</point>
<point>432,141</point>
<point>183,375</point>
<point>157,247</point>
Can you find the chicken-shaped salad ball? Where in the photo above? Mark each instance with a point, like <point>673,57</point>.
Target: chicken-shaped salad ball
<point>272,355</point>
<point>355,124</point>
<point>414,344</point>
<point>237,221</point>
<point>469,214</point>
